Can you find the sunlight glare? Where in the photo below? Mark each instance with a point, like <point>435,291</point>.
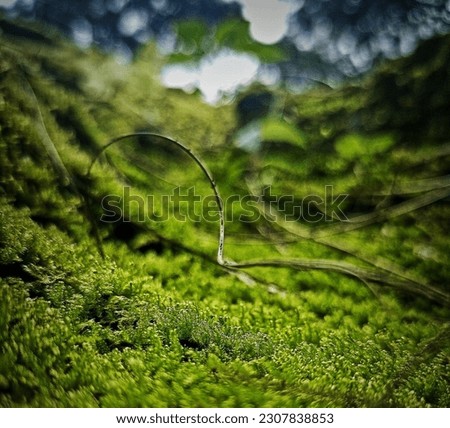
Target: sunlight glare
<point>268,18</point>
<point>216,75</point>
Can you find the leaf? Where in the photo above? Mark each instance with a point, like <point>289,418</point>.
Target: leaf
<point>192,34</point>
<point>235,34</point>
<point>353,146</point>
<point>278,130</point>
<point>232,33</point>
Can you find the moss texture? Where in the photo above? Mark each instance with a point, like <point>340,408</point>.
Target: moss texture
<point>156,321</point>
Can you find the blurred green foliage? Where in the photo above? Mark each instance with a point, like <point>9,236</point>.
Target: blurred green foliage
<point>195,40</point>
<point>157,322</point>
<point>354,146</point>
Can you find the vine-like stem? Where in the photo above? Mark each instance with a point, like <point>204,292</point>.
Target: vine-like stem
<point>365,275</point>
<point>205,170</point>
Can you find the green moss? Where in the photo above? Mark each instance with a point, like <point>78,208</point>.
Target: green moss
<point>156,322</point>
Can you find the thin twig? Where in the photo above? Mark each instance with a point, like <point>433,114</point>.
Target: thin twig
<point>384,213</point>
<point>220,259</point>
<point>388,272</point>
<point>363,274</point>
<point>64,175</point>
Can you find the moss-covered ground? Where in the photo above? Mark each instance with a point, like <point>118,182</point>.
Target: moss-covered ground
<point>137,312</point>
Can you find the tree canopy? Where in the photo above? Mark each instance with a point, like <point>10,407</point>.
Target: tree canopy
<point>323,39</point>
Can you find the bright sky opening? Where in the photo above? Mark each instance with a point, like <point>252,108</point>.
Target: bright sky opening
<point>227,70</point>
<point>268,19</point>
<point>215,75</point>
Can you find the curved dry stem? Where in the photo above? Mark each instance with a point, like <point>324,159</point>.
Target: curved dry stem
<point>202,166</point>
<point>384,214</point>
<point>297,230</point>
<point>47,142</point>
<point>363,274</point>
<point>387,272</point>
<point>64,175</point>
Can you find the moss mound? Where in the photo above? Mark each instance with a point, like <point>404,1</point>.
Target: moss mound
<point>107,302</point>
